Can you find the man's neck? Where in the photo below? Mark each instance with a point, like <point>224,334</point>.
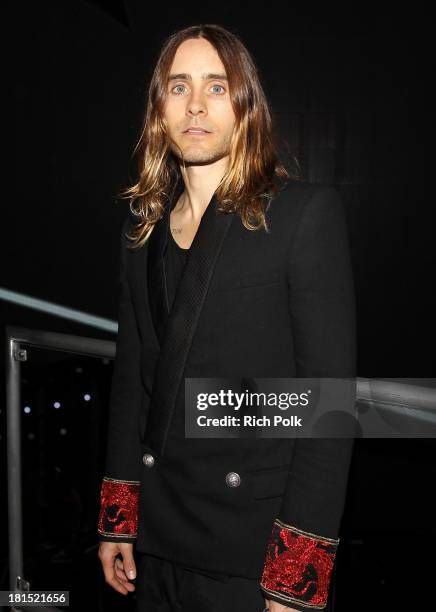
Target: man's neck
<point>201,183</point>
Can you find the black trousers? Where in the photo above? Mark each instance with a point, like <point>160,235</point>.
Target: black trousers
<point>163,586</point>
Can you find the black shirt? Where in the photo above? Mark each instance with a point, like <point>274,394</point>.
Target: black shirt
<point>175,259</point>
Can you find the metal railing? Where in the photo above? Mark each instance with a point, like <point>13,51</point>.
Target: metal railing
<point>17,339</point>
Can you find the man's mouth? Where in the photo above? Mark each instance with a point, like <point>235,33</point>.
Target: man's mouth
<point>196,131</point>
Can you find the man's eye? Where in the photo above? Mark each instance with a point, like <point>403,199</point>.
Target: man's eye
<point>176,87</point>
<point>219,86</point>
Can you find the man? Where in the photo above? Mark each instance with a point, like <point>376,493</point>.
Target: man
<point>227,270</point>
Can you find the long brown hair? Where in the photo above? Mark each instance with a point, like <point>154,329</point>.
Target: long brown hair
<point>254,173</point>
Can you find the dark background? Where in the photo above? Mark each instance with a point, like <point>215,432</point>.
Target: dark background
<point>339,82</point>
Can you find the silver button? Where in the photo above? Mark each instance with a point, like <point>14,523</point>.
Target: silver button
<point>233,479</point>
<point>148,460</point>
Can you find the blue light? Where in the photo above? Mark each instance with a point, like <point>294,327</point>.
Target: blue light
<point>56,404</point>
<point>87,397</point>
<point>27,409</point>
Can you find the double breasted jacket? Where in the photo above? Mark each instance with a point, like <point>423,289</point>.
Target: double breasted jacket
<point>248,304</point>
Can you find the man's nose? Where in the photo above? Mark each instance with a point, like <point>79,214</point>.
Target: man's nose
<point>196,104</point>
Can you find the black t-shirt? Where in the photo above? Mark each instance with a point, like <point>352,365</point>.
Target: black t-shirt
<point>175,259</point>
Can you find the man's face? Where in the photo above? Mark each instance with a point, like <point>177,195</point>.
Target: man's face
<point>198,97</point>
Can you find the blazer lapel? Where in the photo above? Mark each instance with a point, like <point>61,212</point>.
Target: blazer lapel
<point>177,335</point>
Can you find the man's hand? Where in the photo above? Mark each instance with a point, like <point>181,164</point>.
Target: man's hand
<point>274,606</point>
<point>118,571</point>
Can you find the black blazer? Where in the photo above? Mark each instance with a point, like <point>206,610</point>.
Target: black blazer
<point>249,304</point>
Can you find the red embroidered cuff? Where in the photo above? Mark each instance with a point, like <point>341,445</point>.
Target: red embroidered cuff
<point>118,508</point>
<point>298,566</point>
